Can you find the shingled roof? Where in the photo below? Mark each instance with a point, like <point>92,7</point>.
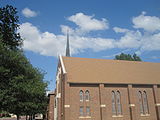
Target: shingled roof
<point>88,70</point>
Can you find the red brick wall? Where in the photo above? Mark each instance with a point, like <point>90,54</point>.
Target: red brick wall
<point>124,102</point>
<point>93,102</point>
<point>151,103</point>
<point>51,107</point>
<point>72,97</point>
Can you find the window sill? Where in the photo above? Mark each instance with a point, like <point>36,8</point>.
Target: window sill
<point>85,117</point>
<point>117,115</point>
<point>145,115</point>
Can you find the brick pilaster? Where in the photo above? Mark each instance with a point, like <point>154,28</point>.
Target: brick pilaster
<point>102,101</point>
<point>131,103</point>
<point>157,100</point>
<point>59,101</point>
<point>66,99</point>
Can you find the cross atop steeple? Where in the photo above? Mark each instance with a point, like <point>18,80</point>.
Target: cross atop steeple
<point>67,47</point>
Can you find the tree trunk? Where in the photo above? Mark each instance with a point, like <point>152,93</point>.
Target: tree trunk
<point>44,117</point>
<point>34,117</point>
<point>17,117</point>
<point>26,117</point>
<point>29,117</point>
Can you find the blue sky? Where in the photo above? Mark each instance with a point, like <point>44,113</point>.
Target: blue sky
<point>98,29</point>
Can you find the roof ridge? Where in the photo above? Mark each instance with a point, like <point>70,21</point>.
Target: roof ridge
<point>109,60</point>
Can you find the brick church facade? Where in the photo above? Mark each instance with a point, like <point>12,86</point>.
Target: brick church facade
<point>99,89</point>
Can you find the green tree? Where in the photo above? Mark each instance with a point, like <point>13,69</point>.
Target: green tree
<point>22,89</point>
<point>136,58</point>
<point>8,27</point>
<point>128,57</point>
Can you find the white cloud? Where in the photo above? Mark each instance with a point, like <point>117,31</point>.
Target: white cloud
<point>155,57</point>
<point>141,41</point>
<point>151,42</point>
<point>120,30</point>
<point>65,28</point>
<point>50,44</point>
<point>44,43</point>
<point>148,23</point>
<point>28,13</point>
<point>113,55</point>
<point>88,23</point>
<point>131,39</point>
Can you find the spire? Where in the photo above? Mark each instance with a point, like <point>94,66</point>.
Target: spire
<point>67,47</point>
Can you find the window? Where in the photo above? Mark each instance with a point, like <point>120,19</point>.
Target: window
<point>116,103</point>
<point>88,111</point>
<point>81,111</point>
<point>140,102</point>
<point>118,98</point>
<point>87,95</point>
<point>81,95</point>
<point>145,103</point>
<point>113,103</point>
<point>84,98</point>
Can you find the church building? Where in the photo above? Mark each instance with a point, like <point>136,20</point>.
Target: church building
<point>101,89</point>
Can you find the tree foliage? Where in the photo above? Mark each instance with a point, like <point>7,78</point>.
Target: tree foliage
<point>22,89</point>
<point>128,57</point>
<point>9,26</point>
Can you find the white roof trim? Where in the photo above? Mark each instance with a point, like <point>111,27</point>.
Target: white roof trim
<point>63,67</point>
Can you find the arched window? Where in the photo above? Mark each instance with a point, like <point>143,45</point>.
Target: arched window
<point>113,103</point>
<point>118,101</point>
<point>87,96</point>
<point>145,103</point>
<point>81,95</point>
<point>140,102</point>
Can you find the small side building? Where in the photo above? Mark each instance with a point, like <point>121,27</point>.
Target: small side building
<point>50,112</point>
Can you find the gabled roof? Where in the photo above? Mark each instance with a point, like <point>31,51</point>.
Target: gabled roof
<point>88,70</point>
